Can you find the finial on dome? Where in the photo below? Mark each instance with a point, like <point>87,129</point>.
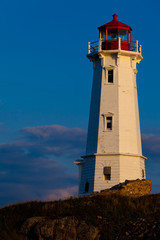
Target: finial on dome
<point>115,16</point>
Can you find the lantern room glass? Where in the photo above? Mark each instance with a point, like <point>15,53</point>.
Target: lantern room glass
<point>103,35</point>
<point>112,34</point>
<point>122,33</point>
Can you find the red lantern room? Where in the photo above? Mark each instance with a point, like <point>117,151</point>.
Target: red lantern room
<point>110,32</point>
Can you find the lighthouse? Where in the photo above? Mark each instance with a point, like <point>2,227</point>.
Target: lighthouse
<point>113,151</point>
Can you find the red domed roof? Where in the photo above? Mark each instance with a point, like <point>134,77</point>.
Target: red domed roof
<point>115,24</point>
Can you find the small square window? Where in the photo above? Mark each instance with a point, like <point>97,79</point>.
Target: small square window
<point>110,76</point>
<point>107,173</point>
<point>109,123</point>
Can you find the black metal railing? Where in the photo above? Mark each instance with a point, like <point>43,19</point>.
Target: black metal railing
<point>93,47</point>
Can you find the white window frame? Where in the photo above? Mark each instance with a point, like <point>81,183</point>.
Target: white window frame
<point>105,121</point>
<point>106,69</point>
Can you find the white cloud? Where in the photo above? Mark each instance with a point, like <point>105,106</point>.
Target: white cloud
<point>62,193</point>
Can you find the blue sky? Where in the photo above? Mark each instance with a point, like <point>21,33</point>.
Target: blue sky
<point>45,81</point>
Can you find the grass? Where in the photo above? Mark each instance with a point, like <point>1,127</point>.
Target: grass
<point>110,212</point>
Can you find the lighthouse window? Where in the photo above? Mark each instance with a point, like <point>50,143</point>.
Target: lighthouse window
<point>112,34</point>
<point>142,173</point>
<point>87,187</point>
<point>109,123</point>
<point>110,76</point>
<point>107,173</point>
<point>122,34</point>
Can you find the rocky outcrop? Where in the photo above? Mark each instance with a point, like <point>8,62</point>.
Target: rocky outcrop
<point>126,211</point>
<point>141,229</point>
<point>29,223</point>
<point>132,188</point>
<point>67,228</point>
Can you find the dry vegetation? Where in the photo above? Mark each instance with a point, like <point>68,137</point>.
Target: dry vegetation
<point>116,216</point>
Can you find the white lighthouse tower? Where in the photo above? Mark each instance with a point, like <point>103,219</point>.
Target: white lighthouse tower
<point>113,152</point>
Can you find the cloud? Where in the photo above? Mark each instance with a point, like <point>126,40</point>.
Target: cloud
<point>151,149</point>
<point>62,193</point>
<point>39,164</point>
<point>151,144</point>
<point>55,139</point>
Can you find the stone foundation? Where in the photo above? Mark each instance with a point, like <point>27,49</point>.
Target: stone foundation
<point>132,188</point>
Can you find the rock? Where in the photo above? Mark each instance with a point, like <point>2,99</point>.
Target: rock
<point>67,228</point>
<point>132,188</point>
<point>141,229</point>
<point>44,230</point>
<point>30,222</point>
<point>86,232</point>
